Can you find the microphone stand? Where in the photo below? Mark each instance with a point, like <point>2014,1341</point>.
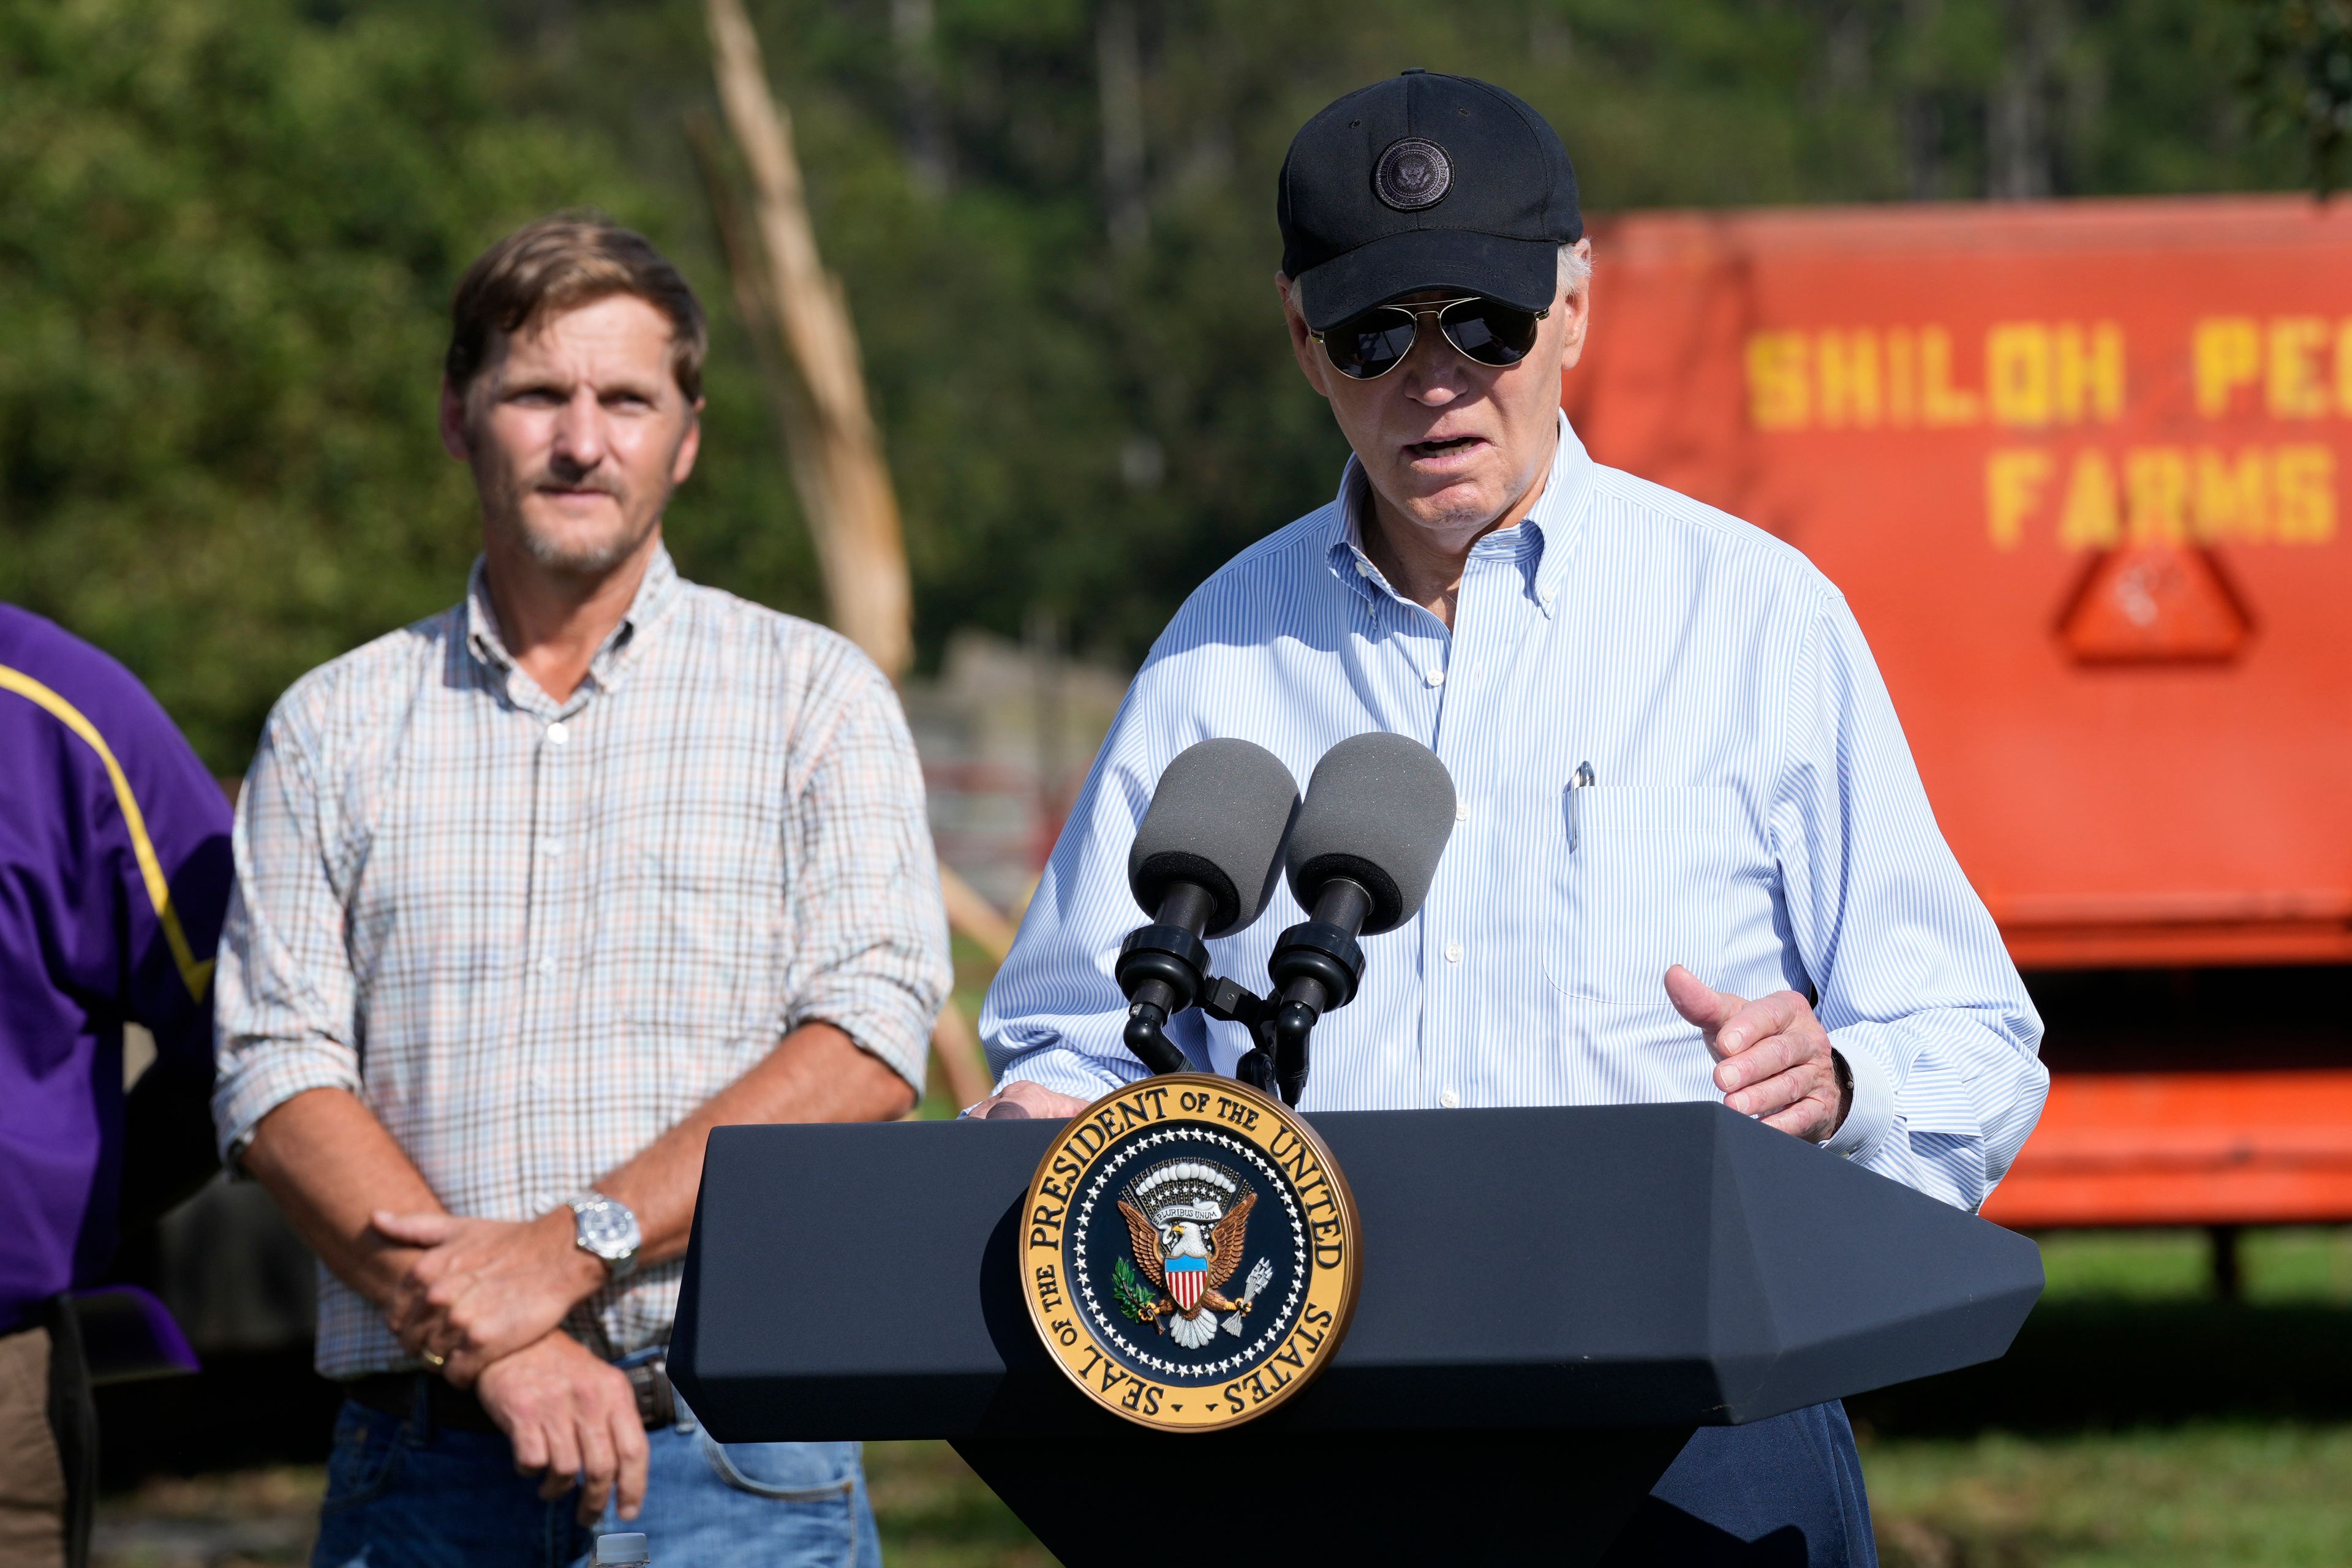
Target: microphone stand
<point>1164,968</point>
<point>1161,968</point>
<point>1316,967</point>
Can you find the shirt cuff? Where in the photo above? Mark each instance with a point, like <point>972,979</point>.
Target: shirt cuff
<point>243,1098</point>
<point>1872,1110</point>
<point>1070,1072</point>
<point>883,1023</point>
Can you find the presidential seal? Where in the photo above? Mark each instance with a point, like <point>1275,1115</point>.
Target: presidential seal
<point>1189,1252</point>
<point>1412,175</point>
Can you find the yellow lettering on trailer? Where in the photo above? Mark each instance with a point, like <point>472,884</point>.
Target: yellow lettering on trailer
<point>2037,374</point>
<point>2304,480</point>
<point>2090,521</point>
<point>2015,477</point>
<point>2228,351</point>
<point>1780,395</point>
<point>2295,385</point>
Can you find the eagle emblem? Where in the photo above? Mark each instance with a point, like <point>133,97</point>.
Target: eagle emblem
<point>1189,1221</point>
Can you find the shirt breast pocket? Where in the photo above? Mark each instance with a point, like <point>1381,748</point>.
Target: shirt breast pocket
<point>1643,878</point>
<point>700,927</point>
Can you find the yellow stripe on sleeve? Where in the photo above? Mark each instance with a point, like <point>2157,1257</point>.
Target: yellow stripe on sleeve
<point>196,976</point>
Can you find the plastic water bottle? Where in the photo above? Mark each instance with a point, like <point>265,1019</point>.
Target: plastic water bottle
<point>621,1552</point>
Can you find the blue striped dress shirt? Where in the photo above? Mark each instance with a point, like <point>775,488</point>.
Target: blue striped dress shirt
<point>1754,814</point>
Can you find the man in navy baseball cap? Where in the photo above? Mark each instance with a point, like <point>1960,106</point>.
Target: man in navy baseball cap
<point>1434,276</point>
<point>1691,857</point>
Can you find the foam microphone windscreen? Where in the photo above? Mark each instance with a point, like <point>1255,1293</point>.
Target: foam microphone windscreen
<point>1217,820</point>
<point>1378,810</point>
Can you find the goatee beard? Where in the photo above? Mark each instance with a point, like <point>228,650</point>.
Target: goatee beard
<point>592,561</point>
<point>589,561</point>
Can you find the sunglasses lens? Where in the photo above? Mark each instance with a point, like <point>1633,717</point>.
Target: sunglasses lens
<point>1490,331</point>
<point>1370,344</point>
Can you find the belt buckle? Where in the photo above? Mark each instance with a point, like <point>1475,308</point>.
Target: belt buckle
<point>656,1399</point>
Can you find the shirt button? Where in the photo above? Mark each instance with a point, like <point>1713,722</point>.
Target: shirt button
<point>557,734</point>
<point>550,847</point>
<point>1449,1099</point>
<point>1461,811</point>
<point>1363,567</point>
<point>1452,952</point>
<point>547,966</point>
<point>1436,678</point>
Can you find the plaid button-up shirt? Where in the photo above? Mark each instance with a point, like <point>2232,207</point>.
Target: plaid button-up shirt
<point>533,936</point>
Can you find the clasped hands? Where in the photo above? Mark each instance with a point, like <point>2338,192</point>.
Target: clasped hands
<point>1773,1061</point>
<point>483,1301</point>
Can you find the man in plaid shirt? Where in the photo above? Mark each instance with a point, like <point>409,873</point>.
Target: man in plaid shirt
<point>530,896</point>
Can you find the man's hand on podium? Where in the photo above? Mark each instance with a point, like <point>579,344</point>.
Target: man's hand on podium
<point>1020,1099</point>
<point>1773,1058</point>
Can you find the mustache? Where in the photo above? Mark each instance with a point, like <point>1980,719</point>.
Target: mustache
<point>549,480</point>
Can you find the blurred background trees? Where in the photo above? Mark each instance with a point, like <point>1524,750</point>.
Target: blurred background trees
<point>228,229</point>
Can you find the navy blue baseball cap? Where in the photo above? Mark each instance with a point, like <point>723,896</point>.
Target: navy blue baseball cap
<point>1425,181</point>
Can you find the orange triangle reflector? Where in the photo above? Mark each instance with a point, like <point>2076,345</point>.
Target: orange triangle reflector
<point>2154,602</point>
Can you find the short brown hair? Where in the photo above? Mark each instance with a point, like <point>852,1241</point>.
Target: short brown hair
<point>556,264</point>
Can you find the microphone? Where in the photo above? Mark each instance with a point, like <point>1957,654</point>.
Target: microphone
<point>1378,810</point>
<point>1204,864</point>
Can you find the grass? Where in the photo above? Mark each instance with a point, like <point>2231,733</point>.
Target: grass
<point>2137,1421</point>
<point>935,1513</point>
<point>2210,1494</point>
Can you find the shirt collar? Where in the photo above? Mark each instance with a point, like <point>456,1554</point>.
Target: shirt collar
<point>656,593</point>
<point>1541,543</point>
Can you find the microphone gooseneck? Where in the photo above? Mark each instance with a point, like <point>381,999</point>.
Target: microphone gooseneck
<point>1377,813</point>
<point>1315,968</point>
<point>1161,968</point>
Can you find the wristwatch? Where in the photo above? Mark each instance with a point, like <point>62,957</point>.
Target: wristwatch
<point>606,1228</point>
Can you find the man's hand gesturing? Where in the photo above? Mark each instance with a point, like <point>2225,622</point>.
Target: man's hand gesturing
<point>1773,1058</point>
<point>572,1419</point>
<point>484,1289</point>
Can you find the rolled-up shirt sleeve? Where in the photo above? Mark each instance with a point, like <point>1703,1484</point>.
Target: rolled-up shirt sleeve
<point>1916,988</point>
<point>284,1004</point>
<point>871,957</point>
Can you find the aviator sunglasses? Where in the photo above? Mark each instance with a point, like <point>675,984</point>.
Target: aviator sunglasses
<point>1368,345</point>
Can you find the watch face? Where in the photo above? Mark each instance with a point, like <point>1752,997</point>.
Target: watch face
<point>608,1230</point>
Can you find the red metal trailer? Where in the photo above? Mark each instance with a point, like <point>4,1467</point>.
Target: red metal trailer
<point>2079,468</point>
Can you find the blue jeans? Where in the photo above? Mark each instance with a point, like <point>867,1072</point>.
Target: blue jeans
<point>403,1494</point>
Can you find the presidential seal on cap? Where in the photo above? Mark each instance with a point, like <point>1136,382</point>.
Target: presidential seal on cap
<point>1425,182</point>
<point>1190,1253</point>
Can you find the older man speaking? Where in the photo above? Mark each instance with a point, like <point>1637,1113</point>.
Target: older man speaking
<point>1692,855</point>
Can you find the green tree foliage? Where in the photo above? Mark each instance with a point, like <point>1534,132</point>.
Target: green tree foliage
<point>223,244</point>
<point>228,229</point>
<point>227,236</point>
<point>2300,78</point>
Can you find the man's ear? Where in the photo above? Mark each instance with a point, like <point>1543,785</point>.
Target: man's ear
<point>1575,311</point>
<point>689,446</point>
<point>1303,347</point>
<point>455,439</point>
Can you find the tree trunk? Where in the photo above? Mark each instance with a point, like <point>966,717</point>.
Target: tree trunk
<point>835,452</point>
